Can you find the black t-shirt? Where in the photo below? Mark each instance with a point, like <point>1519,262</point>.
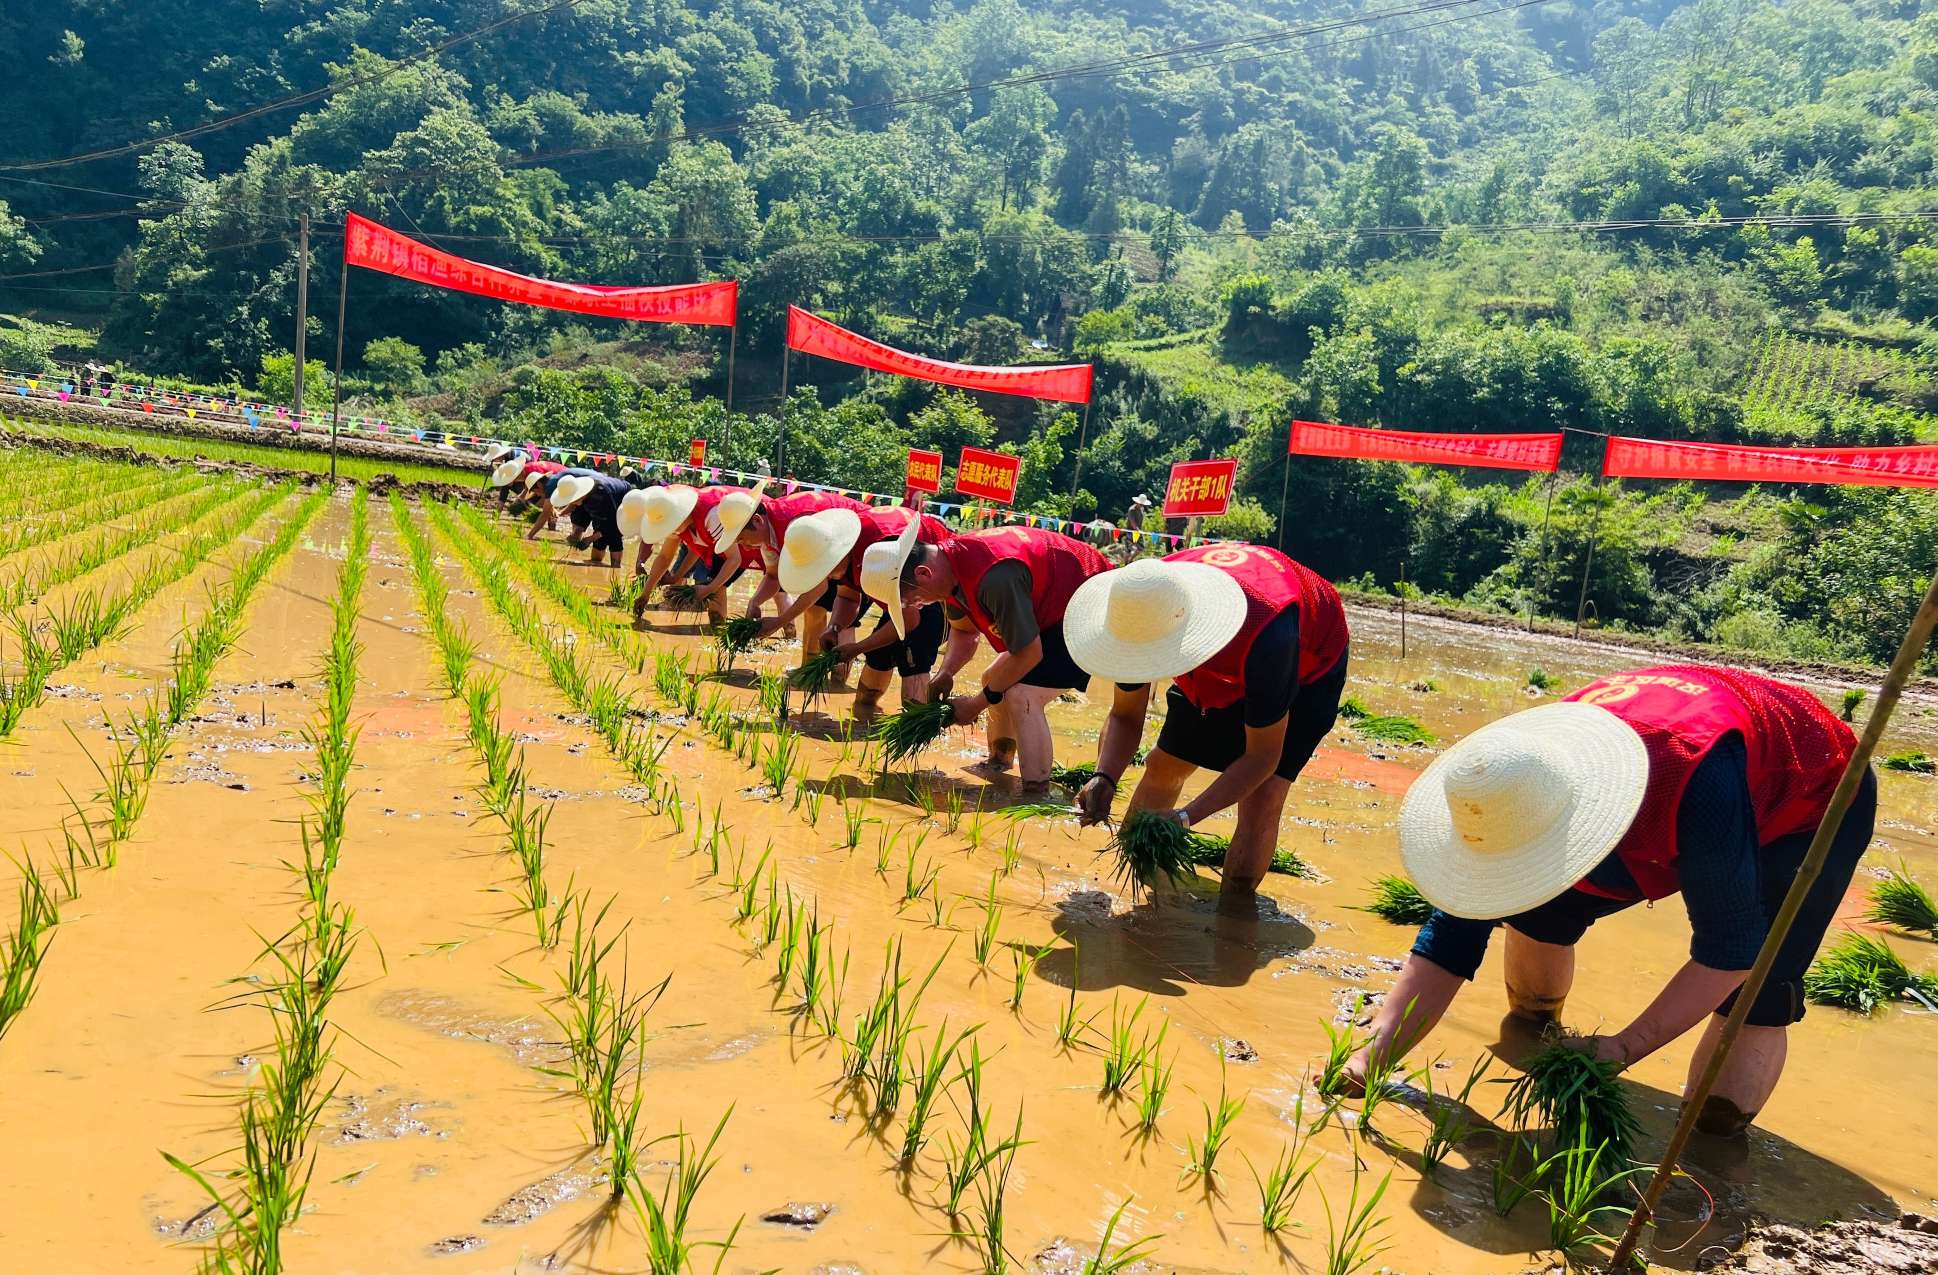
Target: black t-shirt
<point>1271,671</point>
<point>1003,593</point>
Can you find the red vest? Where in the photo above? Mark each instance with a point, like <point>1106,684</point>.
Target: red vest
<point>888,523</point>
<point>1272,582</point>
<point>694,535</point>
<point>541,467</point>
<point>781,511</point>
<point>1057,566</point>
<point>1797,752</point>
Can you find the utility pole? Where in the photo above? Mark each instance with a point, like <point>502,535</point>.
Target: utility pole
<point>302,301</point>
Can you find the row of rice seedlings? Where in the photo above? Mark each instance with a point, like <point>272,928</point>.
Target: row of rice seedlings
<point>875,1054</point>
<point>22,951</point>
<point>24,529</point>
<point>95,617</point>
<point>71,559</point>
<point>633,652</point>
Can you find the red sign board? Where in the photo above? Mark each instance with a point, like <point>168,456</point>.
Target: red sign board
<point>1722,462</point>
<point>924,470</point>
<point>696,452</point>
<point>1199,488</point>
<point>988,475</point>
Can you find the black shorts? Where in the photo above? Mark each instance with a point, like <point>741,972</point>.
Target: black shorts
<point>1215,738</point>
<point>1457,945</point>
<point>826,600</point>
<point>1056,671</point>
<point>913,656</point>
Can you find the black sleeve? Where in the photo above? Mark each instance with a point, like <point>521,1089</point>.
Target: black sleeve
<point>1004,595</point>
<point>1272,671</point>
<point>1718,858</point>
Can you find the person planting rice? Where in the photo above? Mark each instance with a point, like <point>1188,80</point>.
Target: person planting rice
<point>751,522</point>
<point>1710,781</point>
<point>1256,647</point>
<point>1012,585</point>
<point>544,487</point>
<point>592,506</point>
<point>674,518</point>
<point>830,550</point>
<point>511,476</point>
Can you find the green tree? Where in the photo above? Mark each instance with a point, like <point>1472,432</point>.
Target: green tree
<point>1167,241</point>
<point>394,365</point>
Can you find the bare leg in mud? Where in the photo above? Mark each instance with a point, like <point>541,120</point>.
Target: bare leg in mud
<point>1252,844</point>
<point>1750,1076</point>
<point>1035,747</point>
<point>1002,738</point>
<point>1538,976</point>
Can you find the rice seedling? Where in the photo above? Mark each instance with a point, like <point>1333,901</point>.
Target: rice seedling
<point>927,1085</point>
<point>853,819</point>
<point>1279,1188</point>
<point>885,842</point>
<point>777,766</point>
<point>1860,972</point>
<point>1072,777</point>
<point>1025,958</point>
<point>748,907</point>
<point>992,1190</point>
<point>1398,900</point>
<point>771,687</point>
<point>1121,1056</point>
<point>1450,1119</point>
<point>1509,1184</point>
<point>992,917</point>
<point>1069,1025</point>
<point>1353,1239</point>
<point>1382,1065</point>
<point>1577,1096</point>
<point>1210,849</point>
<point>1543,681</point>
<point>1151,848</point>
<point>903,735</point>
<point>1218,1122</point>
<point>1012,851</point>
<point>22,951</point>
<point>683,596</point>
<point>812,802</point>
<point>1902,903</point>
<point>666,1217</point>
<point>1125,1258</point>
<point>1853,700</point>
<point>1383,728</point>
<point>1578,1180</point>
<point>976,830</point>
<point>952,806</point>
<point>1039,810</point>
<point>917,881</point>
<point>1154,1082</point>
<point>732,639</point>
<point>963,1162</point>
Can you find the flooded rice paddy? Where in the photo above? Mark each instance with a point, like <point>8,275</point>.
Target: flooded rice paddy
<point>452,1136</point>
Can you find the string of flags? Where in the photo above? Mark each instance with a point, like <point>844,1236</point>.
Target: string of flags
<point>146,399</point>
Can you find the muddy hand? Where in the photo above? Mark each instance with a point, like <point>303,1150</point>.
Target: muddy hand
<point>939,687</point>
<point>1094,798</point>
<point>967,709</point>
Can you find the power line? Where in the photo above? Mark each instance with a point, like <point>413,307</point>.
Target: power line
<point>297,99</point>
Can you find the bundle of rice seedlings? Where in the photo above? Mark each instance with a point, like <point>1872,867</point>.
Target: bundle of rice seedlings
<point>1387,729</point>
<point>1151,848</point>
<point>1577,1096</point>
<point>734,637</point>
<point>1072,777</point>
<point>1211,850</point>
<point>1861,973</point>
<point>902,735</point>
<point>682,597</point>
<point>1398,900</point>
<point>1912,763</point>
<point>1039,810</point>
<point>1902,903</point>
<point>815,675</point>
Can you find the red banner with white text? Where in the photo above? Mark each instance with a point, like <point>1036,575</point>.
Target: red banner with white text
<point>1540,453</point>
<point>375,247</point>
<point>987,475</point>
<point>924,470</point>
<point>1727,462</point>
<point>812,334</point>
<point>1199,488</point>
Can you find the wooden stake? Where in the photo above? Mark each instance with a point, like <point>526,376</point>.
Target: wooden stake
<point>336,399</point>
<point>1910,651</point>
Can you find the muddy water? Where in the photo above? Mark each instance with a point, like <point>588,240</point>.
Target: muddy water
<point>448,1150</point>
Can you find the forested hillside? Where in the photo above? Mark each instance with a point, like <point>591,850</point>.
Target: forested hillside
<point>1677,219</point>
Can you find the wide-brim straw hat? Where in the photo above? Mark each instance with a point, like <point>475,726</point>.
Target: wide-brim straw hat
<point>1522,809</point>
<point>815,546</point>
<point>881,572</point>
<point>1152,619</point>
<point>498,453</point>
<point>666,512</point>
<point>632,513</point>
<point>531,479</point>
<point>571,490</point>
<point>730,517</point>
<point>507,473</point>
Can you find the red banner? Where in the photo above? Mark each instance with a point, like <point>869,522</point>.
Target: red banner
<point>1537,452</point>
<point>987,475</point>
<point>1199,488</point>
<point>1725,462</point>
<point>375,247</point>
<point>924,470</point>
<point>812,334</point>
<point>696,452</point>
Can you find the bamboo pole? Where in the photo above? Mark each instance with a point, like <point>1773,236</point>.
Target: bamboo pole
<point>1083,434</point>
<point>336,398</point>
<point>1902,667</point>
<point>1547,566</point>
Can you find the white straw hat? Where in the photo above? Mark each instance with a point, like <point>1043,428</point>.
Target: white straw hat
<point>507,473</point>
<point>531,479</point>
<point>498,453</point>
<point>815,546</point>
<point>571,490</point>
<point>666,511</point>
<point>632,514</point>
<point>881,572</point>
<point>1521,809</point>
<point>1152,619</point>
<point>726,520</point>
